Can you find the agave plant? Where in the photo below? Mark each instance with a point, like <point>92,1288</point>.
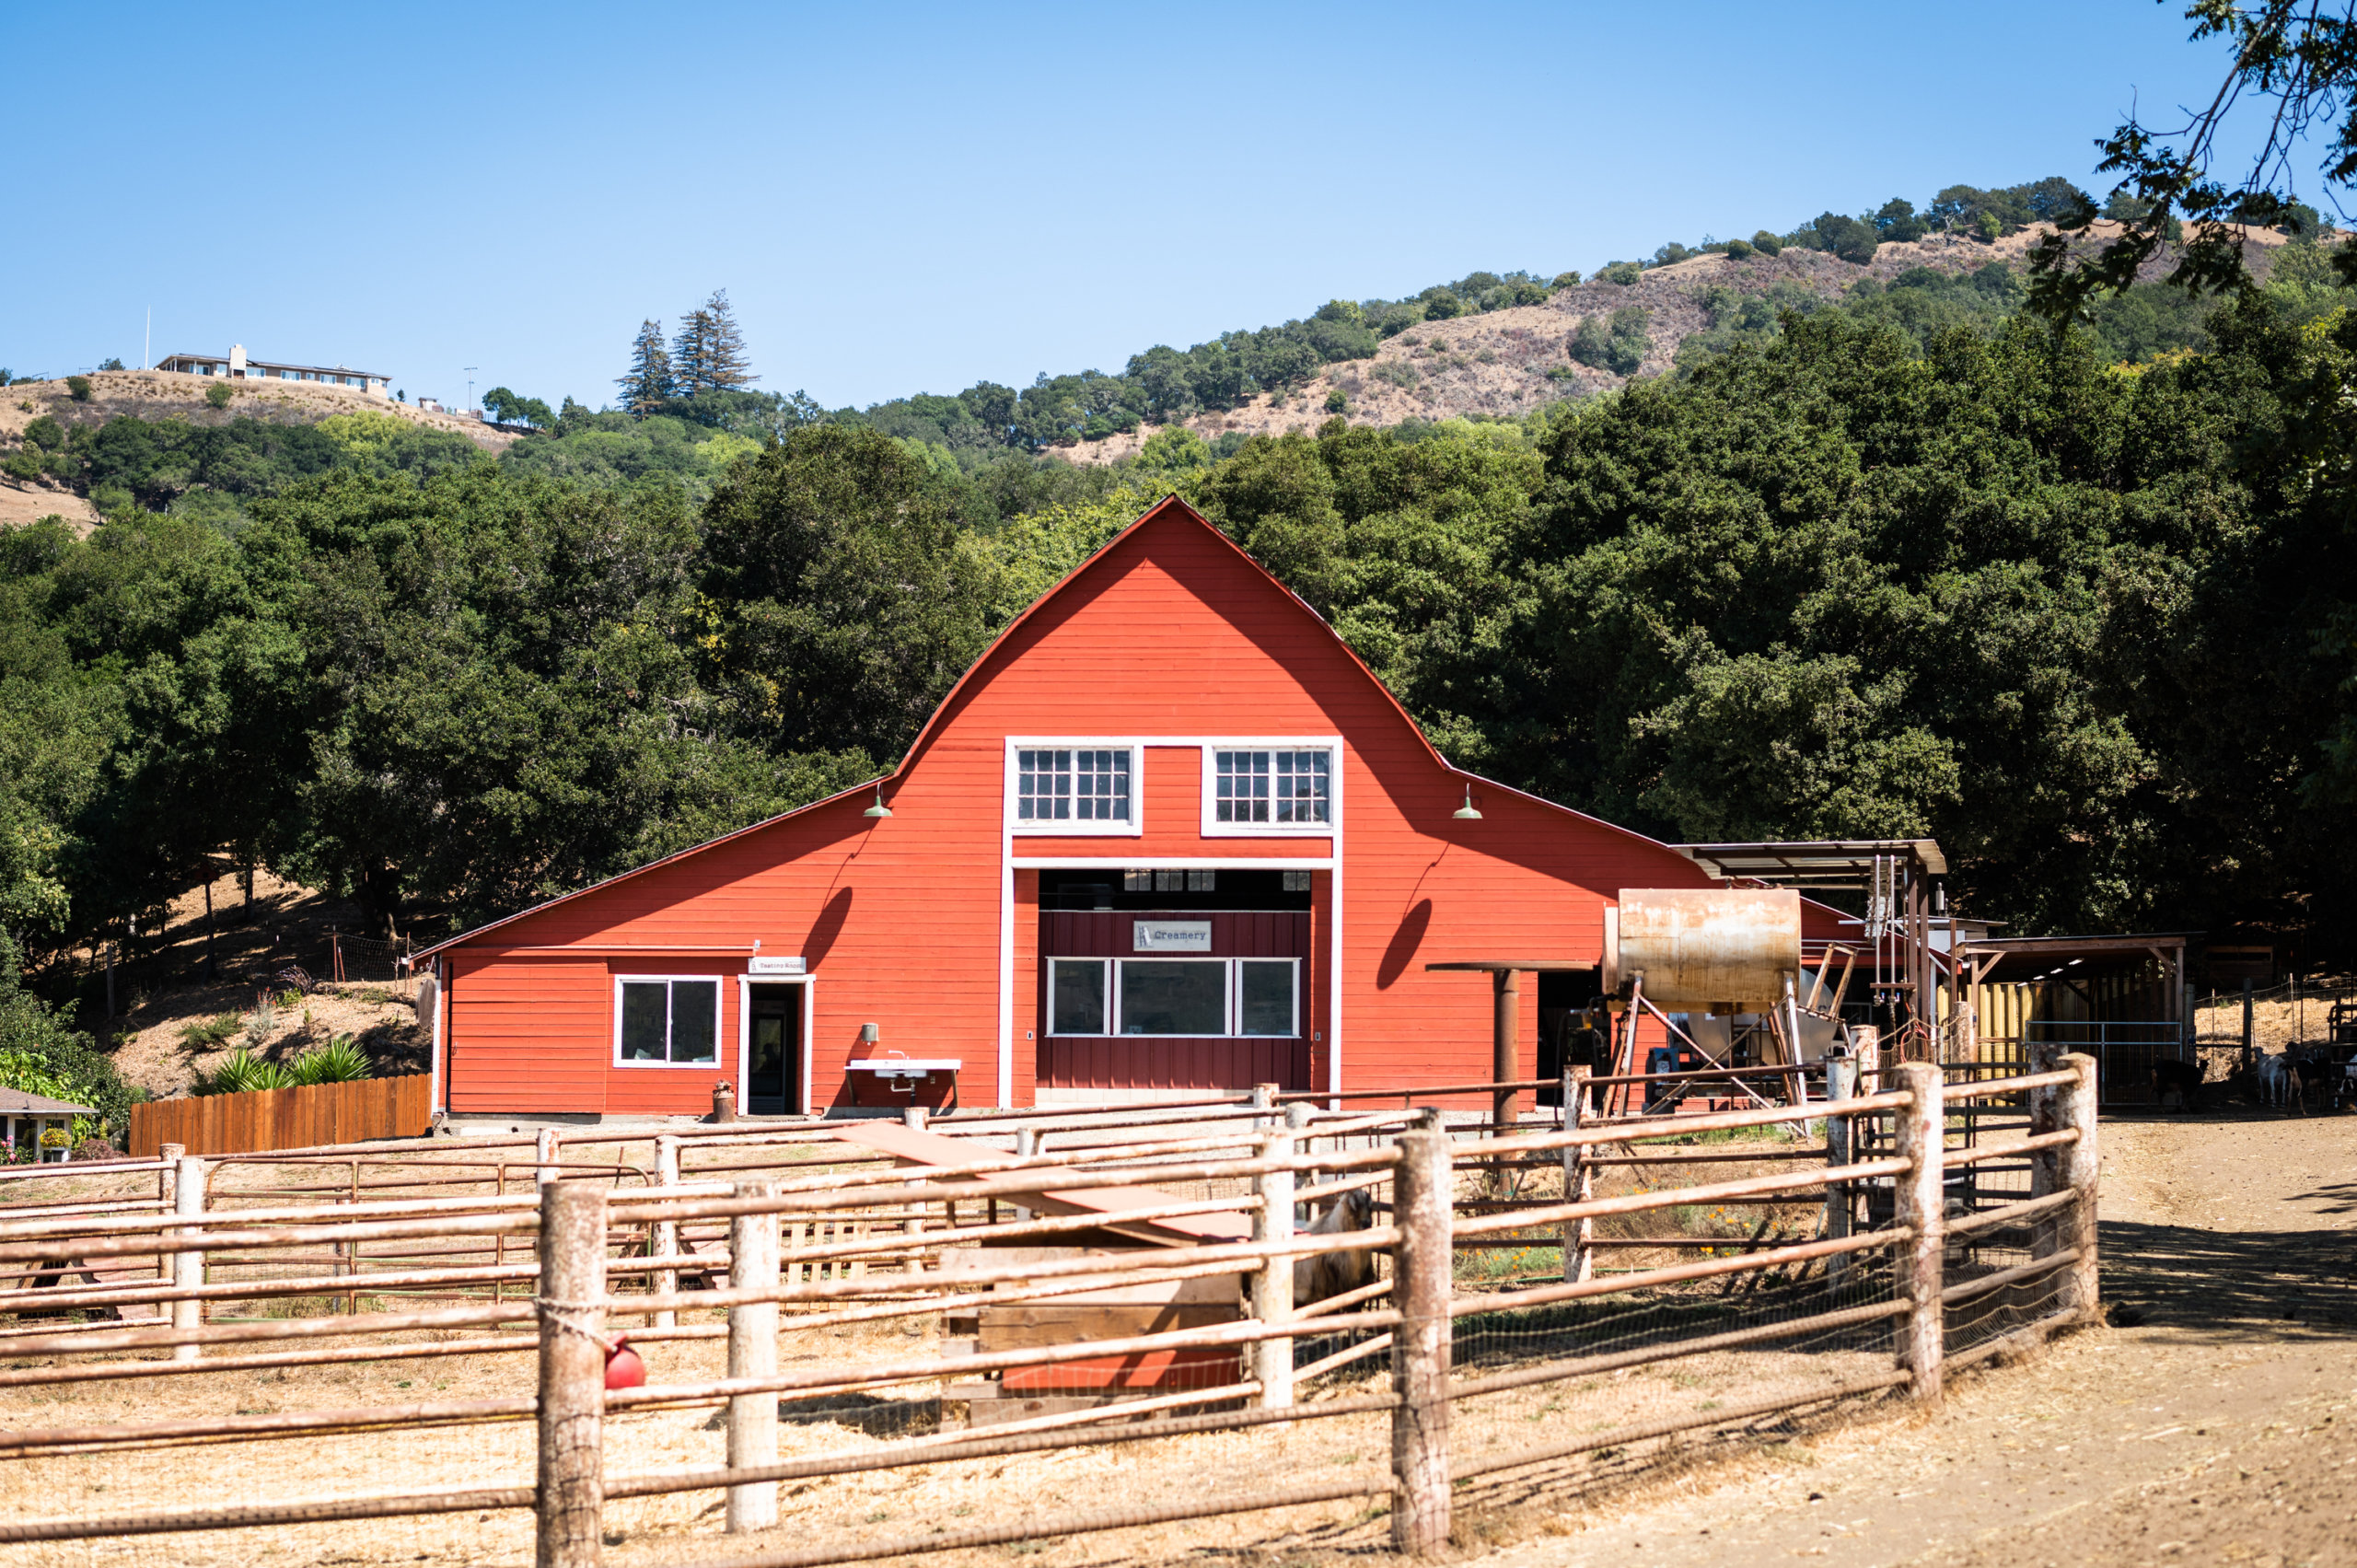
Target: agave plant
<point>341,1061</point>
<point>243,1073</point>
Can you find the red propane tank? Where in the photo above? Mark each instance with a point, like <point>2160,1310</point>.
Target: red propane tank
<point>623,1369</point>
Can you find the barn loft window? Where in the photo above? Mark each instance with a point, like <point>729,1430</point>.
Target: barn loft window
<point>1187,997</point>
<point>1167,881</point>
<point>1082,784</point>
<point>668,1021</point>
<point>1281,788</point>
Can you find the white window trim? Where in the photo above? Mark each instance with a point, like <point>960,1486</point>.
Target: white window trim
<point>719,1060</point>
<point>1133,827</point>
<point>745,983</point>
<point>1330,828</point>
<point>1232,1003</point>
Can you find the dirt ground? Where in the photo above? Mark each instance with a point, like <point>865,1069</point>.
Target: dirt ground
<point>2211,1423</point>
<point>2216,1423</point>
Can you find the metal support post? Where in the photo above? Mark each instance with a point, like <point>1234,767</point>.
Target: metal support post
<point>1579,1181</point>
<point>1840,1084</point>
<point>572,1478</point>
<point>1505,1030</point>
<point>546,1155</point>
<point>1420,1354</point>
<point>752,1352</point>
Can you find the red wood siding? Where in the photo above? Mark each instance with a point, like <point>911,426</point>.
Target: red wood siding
<point>1167,633</point>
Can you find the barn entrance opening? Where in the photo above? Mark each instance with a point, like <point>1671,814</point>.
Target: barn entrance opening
<point>1172,981</point>
<point>1570,1034</point>
<point>774,1067</point>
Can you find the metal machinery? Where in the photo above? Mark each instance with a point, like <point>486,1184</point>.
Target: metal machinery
<point>1897,881</point>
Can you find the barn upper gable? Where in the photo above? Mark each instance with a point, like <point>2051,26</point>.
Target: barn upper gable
<point>1169,628</point>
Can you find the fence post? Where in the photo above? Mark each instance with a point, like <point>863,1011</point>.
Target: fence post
<point>1579,1179</point>
<point>545,1154</point>
<point>188,1268</point>
<point>1027,1144</point>
<point>2080,1170</point>
<point>1422,1196</point>
<point>1922,1210</point>
<point>1273,1282</point>
<point>2248,1057</point>
<point>666,1238</point>
<point>1264,1098</point>
<point>571,1483</point>
<point>752,1352</point>
<point>1840,1084</point>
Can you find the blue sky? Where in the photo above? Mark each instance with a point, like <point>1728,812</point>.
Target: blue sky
<point>913,197</point>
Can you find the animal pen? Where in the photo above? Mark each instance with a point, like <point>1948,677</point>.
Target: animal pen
<point>831,1343</point>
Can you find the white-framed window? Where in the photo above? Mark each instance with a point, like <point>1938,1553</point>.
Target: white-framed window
<point>1072,786</point>
<point>667,1020</point>
<point>1189,998</point>
<point>1271,787</point>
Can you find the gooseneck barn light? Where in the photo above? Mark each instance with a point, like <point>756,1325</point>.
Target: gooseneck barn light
<point>879,809</point>
<point>1466,813</point>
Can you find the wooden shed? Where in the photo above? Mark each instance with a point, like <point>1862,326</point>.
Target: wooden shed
<point>1168,837</point>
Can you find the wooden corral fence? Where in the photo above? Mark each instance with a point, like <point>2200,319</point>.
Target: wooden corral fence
<point>1863,1254</point>
<point>304,1118</point>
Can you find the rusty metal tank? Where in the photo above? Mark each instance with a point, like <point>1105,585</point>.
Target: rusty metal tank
<point>1701,947</point>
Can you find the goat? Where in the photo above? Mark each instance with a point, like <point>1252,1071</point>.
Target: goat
<point>2184,1078</point>
<point>1331,1274</point>
<point>2279,1082</point>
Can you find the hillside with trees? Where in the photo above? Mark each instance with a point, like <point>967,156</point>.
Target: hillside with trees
<point>1902,561</point>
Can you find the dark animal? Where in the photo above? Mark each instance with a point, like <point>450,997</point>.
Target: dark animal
<point>2183,1078</point>
<point>1331,1274</point>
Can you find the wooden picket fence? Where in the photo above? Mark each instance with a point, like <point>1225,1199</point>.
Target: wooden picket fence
<point>286,1118</point>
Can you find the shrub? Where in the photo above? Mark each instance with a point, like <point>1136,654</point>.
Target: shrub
<point>1621,273</point>
<point>1440,303</point>
<point>81,387</point>
<point>1337,402</point>
<point>1566,280</point>
<point>341,1061</point>
<point>1766,243</point>
<point>1737,249</point>
<point>46,434</point>
<point>243,1073</point>
<point>1618,344</point>
<point>24,466</point>
<point>218,394</point>
<point>1398,371</point>
<point>214,1032</point>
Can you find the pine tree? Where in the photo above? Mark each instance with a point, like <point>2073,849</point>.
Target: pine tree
<point>725,366</point>
<point>650,382</point>
<point>687,352</point>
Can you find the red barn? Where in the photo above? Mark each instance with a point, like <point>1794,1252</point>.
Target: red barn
<point>1168,836</point>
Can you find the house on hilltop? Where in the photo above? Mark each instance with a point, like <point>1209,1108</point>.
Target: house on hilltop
<point>1168,838</point>
<point>236,366</point>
